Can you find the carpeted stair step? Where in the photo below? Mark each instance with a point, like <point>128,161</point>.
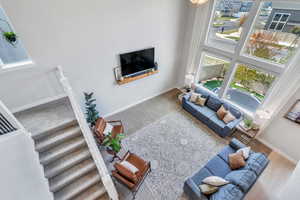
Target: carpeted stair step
<point>61,136</point>
<point>66,162</point>
<point>52,129</point>
<point>93,193</point>
<point>78,186</point>
<point>70,175</point>
<point>61,150</point>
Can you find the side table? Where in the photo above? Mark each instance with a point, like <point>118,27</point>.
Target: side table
<point>245,136</point>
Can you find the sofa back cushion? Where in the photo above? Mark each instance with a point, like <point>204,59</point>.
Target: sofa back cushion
<point>233,110</point>
<point>202,91</point>
<point>214,103</point>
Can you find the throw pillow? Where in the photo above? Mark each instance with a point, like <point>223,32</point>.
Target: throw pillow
<point>129,166</point>
<point>245,151</point>
<point>228,118</point>
<point>236,160</point>
<point>208,189</point>
<point>200,101</point>
<point>215,181</point>
<point>108,129</point>
<point>194,97</point>
<point>126,173</point>
<point>222,112</point>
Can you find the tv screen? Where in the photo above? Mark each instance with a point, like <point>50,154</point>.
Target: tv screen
<point>137,61</point>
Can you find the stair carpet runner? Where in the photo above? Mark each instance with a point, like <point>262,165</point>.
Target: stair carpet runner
<point>67,162</point>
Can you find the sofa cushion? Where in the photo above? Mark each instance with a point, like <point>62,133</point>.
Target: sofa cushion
<point>228,192</point>
<point>202,91</point>
<point>226,151</point>
<point>234,111</point>
<point>218,167</point>
<point>256,163</point>
<point>201,112</point>
<point>244,179</point>
<point>214,103</point>
<point>236,160</point>
<point>200,175</point>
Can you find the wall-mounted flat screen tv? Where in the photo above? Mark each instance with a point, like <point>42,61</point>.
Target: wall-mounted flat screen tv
<point>137,61</point>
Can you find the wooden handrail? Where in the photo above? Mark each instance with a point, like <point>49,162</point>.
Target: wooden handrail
<point>89,138</point>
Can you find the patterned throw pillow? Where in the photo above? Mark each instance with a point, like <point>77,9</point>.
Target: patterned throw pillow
<point>194,97</point>
<point>200,101</point>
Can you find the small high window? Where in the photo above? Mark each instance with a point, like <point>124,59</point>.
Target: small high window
<point>12,51</point>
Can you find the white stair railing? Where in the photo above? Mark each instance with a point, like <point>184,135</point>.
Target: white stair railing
<point>89,138</point>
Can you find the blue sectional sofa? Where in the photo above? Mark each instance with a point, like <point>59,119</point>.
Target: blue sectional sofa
<point>241,180</point>
<point>207,114</point>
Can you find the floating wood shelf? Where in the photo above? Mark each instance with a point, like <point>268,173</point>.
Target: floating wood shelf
<point>130,79</point>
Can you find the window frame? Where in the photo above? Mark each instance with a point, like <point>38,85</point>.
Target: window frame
<point>238,56</point>
<point>29,63</point>
<point>279,21</point>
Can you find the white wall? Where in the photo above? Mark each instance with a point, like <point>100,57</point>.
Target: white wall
<point>22,176</point>
<point>86,38</point>
<point>284,134</point>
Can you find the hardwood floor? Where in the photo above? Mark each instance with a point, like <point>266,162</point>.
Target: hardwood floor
<point>269,183</point>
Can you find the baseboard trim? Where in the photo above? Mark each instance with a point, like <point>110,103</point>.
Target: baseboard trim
<point>138,102</point>
<point>277,150</point>
<point>39,103</point>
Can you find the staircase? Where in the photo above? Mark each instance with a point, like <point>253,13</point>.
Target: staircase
<point>63,152</point>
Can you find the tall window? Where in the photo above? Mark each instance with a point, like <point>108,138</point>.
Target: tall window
<point>248,46</point>
<point>12,51</point>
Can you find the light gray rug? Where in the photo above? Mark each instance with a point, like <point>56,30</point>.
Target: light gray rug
<point>177,146</point>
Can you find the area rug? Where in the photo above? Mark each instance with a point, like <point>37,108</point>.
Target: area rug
<point>177,146</point>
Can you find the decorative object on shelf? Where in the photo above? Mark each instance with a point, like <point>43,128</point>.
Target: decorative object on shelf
<point>261,117</point>
<point>118,75</point>
<point>91,113</point>
<point>198,2</point>
<point>10,36</point>
<point>294,112</point>
<point>188,82</point>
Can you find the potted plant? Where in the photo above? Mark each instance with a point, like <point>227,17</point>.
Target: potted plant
<point>91,112</point>
<point>113,144</point>
<point>247,124</point>
<point>10,37</point>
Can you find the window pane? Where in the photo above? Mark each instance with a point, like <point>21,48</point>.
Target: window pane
<point>284,18</point>
<point>273,25</point>
<point>228,20</point>
<point>275,42</point>
<point>249,87</point>
<point>277,17</point>
<point>212,72</point>
<point>10,52</point>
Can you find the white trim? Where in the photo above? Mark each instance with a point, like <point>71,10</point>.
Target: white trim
<point>277,150</point>
<point>89,138</point>
<point>137,102</point>
<point>39,103</point>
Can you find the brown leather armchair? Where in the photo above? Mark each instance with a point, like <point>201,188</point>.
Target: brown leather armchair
<point>130,180</point>
<point>100,127</point>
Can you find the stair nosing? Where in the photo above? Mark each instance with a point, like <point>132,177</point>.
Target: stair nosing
<point>63,182</point>
<point>64,151</point>
<point>83,156</point>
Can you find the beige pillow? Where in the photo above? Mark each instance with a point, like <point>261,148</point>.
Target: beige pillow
<point>236,160</point>
<point>208,189</point>
<point>221,113</point>
<point>228,118</point>
<point>129,166</point>
<point>215,181</point>
<point>194,97</point>
<point>200,101</point>
<point>245,151</point>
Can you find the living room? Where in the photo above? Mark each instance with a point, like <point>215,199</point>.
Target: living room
<point>239,57</point>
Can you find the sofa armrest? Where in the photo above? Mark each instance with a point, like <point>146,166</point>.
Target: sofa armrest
<point>193,191</point>
<point>235,144</point>
<point>186,97</point>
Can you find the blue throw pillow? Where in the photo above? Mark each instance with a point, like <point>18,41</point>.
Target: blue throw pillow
<point>214,103</point>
